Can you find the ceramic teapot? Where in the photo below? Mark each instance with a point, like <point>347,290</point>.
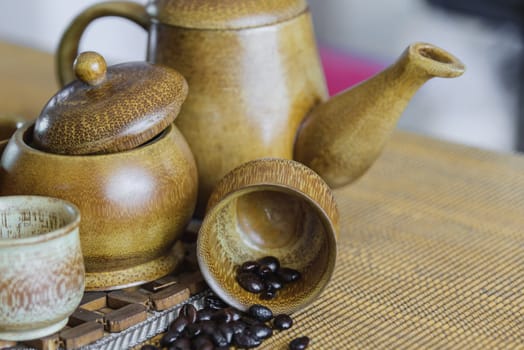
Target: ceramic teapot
<point>257,87</point>
<point>106,143</point>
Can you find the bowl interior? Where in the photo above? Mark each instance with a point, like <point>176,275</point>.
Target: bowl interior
<point>23,217</point>
<point>267,220</point>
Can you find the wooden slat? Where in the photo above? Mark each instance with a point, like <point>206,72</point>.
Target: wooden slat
<point>82,335</point>
<point>93,301</point>
<point>125,317</point>
<point>121,298</point>
<point>169,297</point>
<point>51,342</point>
<point>82,316</point>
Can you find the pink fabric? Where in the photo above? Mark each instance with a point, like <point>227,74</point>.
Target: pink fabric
<point>343,70</point>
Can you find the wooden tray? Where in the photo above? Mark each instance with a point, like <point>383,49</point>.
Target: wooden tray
<point>125,318</point>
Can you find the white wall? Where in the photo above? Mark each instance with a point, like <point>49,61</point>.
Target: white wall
<point>478,108</point>
<point>40,23</point>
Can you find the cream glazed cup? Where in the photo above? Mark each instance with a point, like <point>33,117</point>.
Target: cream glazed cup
<point>41,266</point>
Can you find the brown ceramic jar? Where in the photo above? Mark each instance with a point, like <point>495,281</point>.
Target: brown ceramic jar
<point>109,146</point>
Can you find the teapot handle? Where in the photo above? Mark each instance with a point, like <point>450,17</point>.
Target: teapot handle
<point>68,47</point>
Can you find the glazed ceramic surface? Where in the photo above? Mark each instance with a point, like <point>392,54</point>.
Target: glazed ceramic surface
<point>250,90</point>
<point>341,139</point>
<point>257,87</point>
<point>41,265</point>
<point>270,207</point>
<point>252,68</point>
<point>109,109</point>
<point>134,204</point>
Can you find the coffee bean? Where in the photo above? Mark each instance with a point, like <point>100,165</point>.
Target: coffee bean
<point>181,344</point>
<point>235,314</point>
<point>227,330</point>
<point>208,326</point>
<point>238,326</point>
<point>268,294</point>
<point>188,311</point>
<point>169,338</point>
<point>192,330</point>
<point>214,302</point>
<point>272,280</point>
<point>205,314</point>
<point>250,321</point>
<point>270,261</point>
<point>246,340</point>
<point>227,315</point>
<point>265,277</point>
<point>282,322</point>
<point>260,312</point>
<point>219,326</point>
<point>299,343</point>
<point>261,331</point>
<point>288,275</point>
<point>179,324</point>
<point>264,270</point>
<point>202,342</point>
<point>249,266</point>
<point>250,282</point>
<point>219,338</point>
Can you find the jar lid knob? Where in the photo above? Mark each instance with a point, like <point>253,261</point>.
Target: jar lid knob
<point>90,67</point>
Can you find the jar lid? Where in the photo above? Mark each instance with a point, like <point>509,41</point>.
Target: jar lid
<point>224,14</point>
<point>109,109</point>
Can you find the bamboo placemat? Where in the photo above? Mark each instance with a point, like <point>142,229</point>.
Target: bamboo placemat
<point>431,254</point>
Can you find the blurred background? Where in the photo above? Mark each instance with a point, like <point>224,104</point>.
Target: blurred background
<point>358,38</point>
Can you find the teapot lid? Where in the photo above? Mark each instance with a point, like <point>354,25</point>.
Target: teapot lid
<point>224,14</point>
<point>109,109</point>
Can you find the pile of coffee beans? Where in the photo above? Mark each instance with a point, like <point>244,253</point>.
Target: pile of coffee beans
<point>265,276</point>
<point>219,326</point>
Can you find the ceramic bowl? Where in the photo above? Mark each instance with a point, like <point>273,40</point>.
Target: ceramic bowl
<point>134,204</point>
<point>41,265</point>
<point>269,207</point>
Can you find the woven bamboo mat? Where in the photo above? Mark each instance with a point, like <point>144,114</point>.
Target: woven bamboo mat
<point>431,254</point>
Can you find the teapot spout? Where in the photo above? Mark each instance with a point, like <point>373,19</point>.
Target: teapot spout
<point>340,139</point>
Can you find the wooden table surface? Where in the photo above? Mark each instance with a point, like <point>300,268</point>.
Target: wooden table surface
<point>431,253</point>
<point>27,80</point>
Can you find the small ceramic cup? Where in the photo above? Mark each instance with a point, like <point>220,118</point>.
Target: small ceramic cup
<point>135,204</point>
<point>41,266</point>
<point>269,207</point>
